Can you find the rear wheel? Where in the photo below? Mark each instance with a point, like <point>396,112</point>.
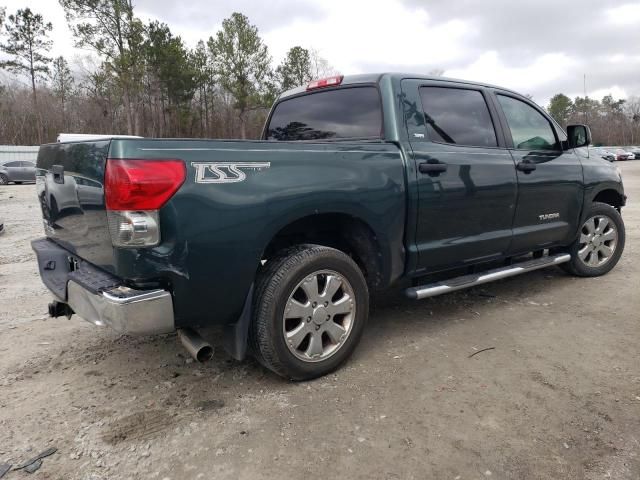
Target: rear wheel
<point>4,180</point>
<point>600,242</point>
<point>310,308</point>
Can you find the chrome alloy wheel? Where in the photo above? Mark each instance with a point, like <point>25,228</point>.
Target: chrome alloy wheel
<point>598,241</point>
<point>319,316</point>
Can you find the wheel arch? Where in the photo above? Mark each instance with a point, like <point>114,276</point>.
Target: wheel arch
<point>343,231</point>
<point>610,196</point>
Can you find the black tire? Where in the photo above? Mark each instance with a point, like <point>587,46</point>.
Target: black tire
<point>4,180</point>
<point>281,277</point>
<point>576,266</point>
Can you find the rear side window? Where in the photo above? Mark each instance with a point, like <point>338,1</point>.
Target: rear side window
<point>12,164</point>
<point>457,116</point>
<point>333,114</point>
<point>530,130</point>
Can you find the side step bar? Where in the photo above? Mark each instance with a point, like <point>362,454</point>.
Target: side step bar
<point>466,281</point>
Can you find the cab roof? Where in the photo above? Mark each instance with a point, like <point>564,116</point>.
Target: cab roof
<point>376,77</point>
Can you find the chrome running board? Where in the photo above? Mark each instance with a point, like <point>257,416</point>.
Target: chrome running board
<point>466,281</point>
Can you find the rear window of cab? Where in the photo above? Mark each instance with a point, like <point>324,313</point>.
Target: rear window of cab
<point>347,112</point>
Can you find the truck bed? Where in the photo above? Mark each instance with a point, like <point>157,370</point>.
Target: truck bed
<point>237,196</point>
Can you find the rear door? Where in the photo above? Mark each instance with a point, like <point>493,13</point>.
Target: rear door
<point>466,177</point>
<point>550,182</point>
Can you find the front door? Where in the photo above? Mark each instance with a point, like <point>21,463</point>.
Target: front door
<point>465,175</point>
<point>550,191</point>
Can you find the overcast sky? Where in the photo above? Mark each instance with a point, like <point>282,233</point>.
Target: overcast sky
<point>537,47</point>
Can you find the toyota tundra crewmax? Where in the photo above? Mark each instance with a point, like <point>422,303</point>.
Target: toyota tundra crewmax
<point>359,183</point>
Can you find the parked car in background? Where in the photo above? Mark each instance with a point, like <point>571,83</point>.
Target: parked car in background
<point>622,155</point>
<point>635,151</point>
<point>17,163</point>
<point>604,153</point>
<point>17,171</point>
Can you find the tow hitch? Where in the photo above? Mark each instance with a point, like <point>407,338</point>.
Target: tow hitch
<point>59,309</point>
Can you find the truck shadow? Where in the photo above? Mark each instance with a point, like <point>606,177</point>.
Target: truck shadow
<point>395,318</point>
<point>149,385</point>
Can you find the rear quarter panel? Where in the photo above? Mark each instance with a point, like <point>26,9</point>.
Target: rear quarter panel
<point>214,234</point>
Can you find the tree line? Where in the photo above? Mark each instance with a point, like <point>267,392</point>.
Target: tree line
<point>141,78</point>
<point>612,122</point>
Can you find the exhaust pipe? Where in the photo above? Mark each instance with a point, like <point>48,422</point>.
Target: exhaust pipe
<point>197,346</point>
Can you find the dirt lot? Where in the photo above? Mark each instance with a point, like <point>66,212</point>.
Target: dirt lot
<point>558,397</point>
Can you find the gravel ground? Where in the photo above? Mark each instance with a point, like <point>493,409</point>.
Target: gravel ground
<point>557,397</point>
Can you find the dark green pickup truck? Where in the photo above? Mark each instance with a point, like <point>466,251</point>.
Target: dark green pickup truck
<point>360,183</point>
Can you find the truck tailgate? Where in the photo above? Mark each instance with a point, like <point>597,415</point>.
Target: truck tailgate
<point>69,182</point>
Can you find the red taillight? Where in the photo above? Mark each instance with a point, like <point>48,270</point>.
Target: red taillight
<point>141,184</point>
<point>325,82</point>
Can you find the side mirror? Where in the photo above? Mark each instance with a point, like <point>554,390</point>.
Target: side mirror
<point>579,136</point>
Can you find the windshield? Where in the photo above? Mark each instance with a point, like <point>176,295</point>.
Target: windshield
<point>353,112</point>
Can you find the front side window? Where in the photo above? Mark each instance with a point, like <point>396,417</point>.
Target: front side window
<point>333,114</point>
<point>530,130</point>
<point>457,116</point>
<point>12,164</point>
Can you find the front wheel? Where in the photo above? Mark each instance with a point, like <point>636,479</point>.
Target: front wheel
<point>4,180</point>
<point>600,242</point>
<point>310,308</point>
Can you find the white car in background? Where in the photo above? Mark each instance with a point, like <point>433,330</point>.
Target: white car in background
<point>635,151</point>
<point>622,155</point>
<point>604,153</point>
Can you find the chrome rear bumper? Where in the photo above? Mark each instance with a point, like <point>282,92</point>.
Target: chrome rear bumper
<point>100,297</point>
<point>135,312</point>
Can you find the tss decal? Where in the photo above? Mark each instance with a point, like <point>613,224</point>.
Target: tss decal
<point>225,172</point>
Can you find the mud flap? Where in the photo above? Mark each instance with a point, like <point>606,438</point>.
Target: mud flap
<point>235,335</point>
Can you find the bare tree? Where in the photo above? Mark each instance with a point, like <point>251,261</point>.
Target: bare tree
<point>62,82</point>
<point>111,29</point>
<point>632,111</point>
<point>320,67</point>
